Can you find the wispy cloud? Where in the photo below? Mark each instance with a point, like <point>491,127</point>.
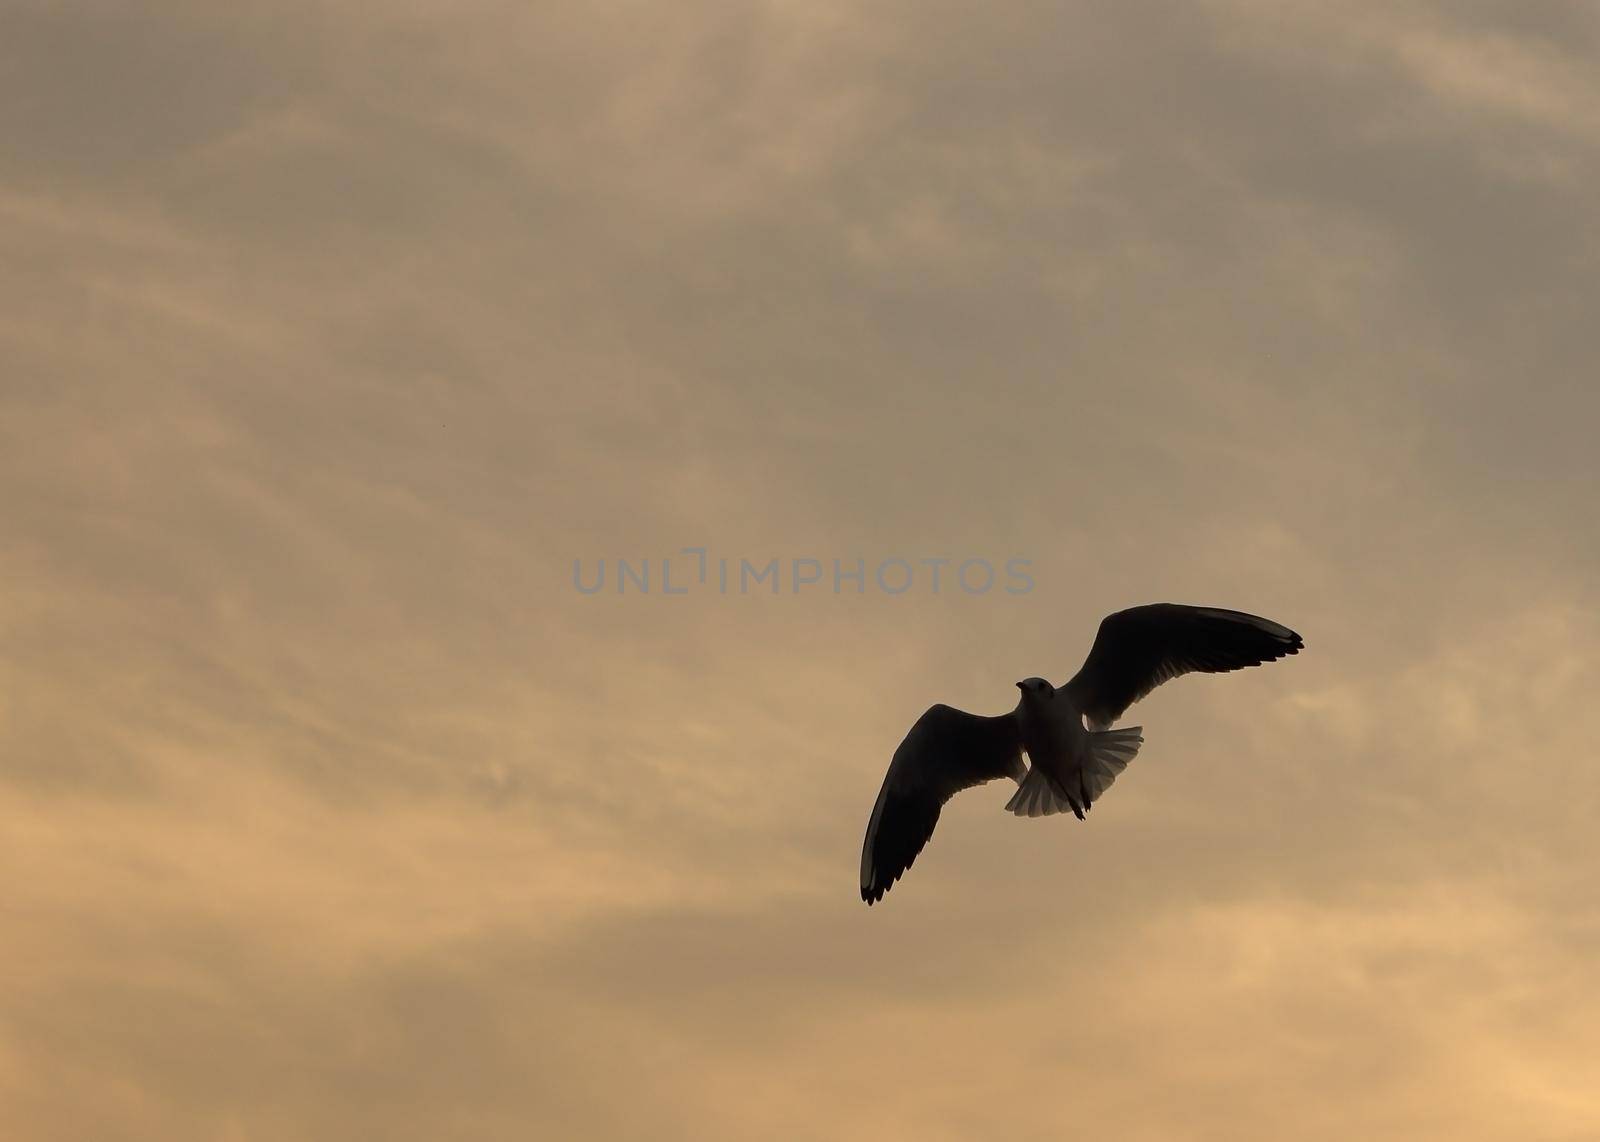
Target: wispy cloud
<point>331,339</point>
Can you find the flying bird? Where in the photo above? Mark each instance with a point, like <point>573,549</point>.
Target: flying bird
<point>1074,755</point>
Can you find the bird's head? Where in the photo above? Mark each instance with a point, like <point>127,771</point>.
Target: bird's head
<point>1036,688</point>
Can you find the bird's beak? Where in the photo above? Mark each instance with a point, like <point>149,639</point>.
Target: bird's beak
<point>1019,685</point>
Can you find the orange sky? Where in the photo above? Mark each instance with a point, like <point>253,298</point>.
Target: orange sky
<point>332,336</point>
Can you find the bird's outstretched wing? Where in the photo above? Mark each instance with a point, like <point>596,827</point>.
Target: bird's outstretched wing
<point>1138,649</point>
<point>948,750</point>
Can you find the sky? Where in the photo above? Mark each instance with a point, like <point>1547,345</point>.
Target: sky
<point>343,343</point>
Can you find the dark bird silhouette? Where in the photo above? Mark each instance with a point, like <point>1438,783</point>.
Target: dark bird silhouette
<point>1073,753</point>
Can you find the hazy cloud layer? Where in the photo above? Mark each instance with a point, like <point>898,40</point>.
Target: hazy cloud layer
<point>333,338</point>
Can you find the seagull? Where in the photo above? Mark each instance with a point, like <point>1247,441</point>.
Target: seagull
<point>1073,752</point>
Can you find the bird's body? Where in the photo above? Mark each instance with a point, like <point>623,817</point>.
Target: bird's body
<point>1053,734</point>
<point>1073,754</point>
<point>1052,730</point>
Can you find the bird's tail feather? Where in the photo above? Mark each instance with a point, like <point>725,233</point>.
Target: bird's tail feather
<point>1109,754</point>
<point>1037,797</point>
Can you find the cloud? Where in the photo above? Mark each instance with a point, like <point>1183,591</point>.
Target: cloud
<point>334,339</point>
